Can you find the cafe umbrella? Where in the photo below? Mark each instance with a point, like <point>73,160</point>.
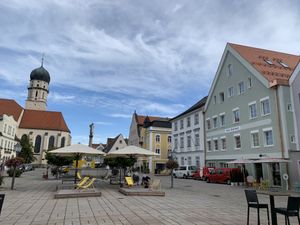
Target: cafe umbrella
<point>76,151</point>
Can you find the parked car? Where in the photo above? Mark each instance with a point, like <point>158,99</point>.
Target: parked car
<point>202,173</point>
<point>184,171</point>
<point>221,175</point>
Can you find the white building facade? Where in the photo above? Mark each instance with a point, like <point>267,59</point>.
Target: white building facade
<point>188,136</point>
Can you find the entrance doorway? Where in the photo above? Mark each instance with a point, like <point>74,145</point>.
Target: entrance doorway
<point>258,172</point>
<point>159,167</point>
<point>276,174</point>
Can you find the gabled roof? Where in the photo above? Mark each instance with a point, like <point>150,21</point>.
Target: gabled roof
<point>110,143</point>
<point>141,119</point>
<point>276,67</point>
<point>198,105</point>
<point>11,108</point>
<point>44,120</point>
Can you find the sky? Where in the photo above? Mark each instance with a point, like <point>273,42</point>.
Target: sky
<point>108,58</point>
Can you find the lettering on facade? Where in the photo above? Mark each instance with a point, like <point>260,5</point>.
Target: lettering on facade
<point>232,129</point>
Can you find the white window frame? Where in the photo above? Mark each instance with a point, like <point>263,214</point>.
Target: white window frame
<point>250,82</point>
<point>157,135</point>
<point>220,115</point>
<point>250,104</point>
<point>208,150</point>
<point>215,118</point>
<point>158,152</point>
<point>196,121</point>
<point>235,144</point>
<point>233,119</point>
<point>220,98</point>
<point>223,138</point>
<point>229,70</point>
<point>293,139</point>
<point>252,142</point>
<point>189,141</point>
<point>289,107</point>
<point>262,108</point>
<point>208,128</point>
<point>265,140</point>
<point>228,92</point>
<point>214,141</point>
<point>241,92</point>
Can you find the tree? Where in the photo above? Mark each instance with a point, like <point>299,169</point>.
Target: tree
<point>13,164</point>
<point>58,161</point>
<point>27,150</point>
<point>171,165</point>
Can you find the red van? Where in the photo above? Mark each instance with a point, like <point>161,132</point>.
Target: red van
<point>202,173</point>
<point>221,175</point>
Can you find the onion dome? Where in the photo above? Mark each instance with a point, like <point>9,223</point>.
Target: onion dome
<point>40,74</point>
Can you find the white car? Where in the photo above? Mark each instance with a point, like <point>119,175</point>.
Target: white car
<point>184,171</point>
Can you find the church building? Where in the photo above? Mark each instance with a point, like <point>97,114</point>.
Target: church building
<point>45,129</point>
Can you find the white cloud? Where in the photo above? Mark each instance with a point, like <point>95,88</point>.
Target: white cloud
<point>120,115</point>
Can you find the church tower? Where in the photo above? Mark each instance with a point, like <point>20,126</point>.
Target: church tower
<point>38,89</point>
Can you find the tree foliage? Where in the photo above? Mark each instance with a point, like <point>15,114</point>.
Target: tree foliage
<point>27,150</point>
<point>120,162</point>
<point>172,164</point>
<point>58,161</point>
<point>14,162</point>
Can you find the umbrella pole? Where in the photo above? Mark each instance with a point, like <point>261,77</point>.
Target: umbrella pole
<point>76,170</point>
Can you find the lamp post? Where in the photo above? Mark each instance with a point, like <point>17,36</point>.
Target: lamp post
<point>172,164</point>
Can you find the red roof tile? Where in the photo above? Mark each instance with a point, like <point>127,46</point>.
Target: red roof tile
<point>141,119</point>
<point>11,108</point>
<point>45,120</point>
<point>274,72</point>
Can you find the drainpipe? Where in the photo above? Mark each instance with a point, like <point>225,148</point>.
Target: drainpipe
<point>204,134</point>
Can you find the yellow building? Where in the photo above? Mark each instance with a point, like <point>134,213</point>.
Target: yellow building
<point>154,134</point>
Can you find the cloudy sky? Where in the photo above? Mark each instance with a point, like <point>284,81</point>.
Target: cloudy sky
<point>108,58</point>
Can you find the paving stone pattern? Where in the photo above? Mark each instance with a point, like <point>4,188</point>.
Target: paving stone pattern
<point>189,202</point>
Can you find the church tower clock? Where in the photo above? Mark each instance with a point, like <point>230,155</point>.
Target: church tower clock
<point>38,89</point>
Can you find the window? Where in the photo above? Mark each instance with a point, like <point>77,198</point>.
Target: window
<point>208,145</point>
<point>255,139</point>
<point>63,140</point>
<point>241,87</point>
<point>37,144</point>
<point>169,139</point>
<point>189,160</point>
<point>175,126</point>
<point>283,64</point>
<point>222,120</point>
<point>181,142</point>
<point>223,142</point>
<point>157,151</point>
<point>208,124</point>
<point>252,111</point>
<point>265,107</point>
<point>196,119</point>
<point>36,94</point>
<point>188,120</point>
<point>289,107</point>
<point>181,124</point>
<point>216,144</point>
<point>268,137</point>
<point>182,160</point>
<point>157,138</point>
<point>236,115</point>
<point>197,161</point>
<point>51,143</point>
<point>237,139</point>
<point>229,70</point>
<point>230,92</point>
<point>120,141</point>
<point>221,95</point>
<point>215,99</point>
<point>250,82</point>
<point>176,143</point>
<point>197,139</point>
<point>189,141</point>
<point>215,122</point>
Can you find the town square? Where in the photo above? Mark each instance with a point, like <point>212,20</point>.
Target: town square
<point>149,112</point>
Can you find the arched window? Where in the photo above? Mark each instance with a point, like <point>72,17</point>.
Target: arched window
<point>51,142</point>
<point>157,138</point>
<point>37,144</point>
<point>63,140</point>
<point>36,94</point>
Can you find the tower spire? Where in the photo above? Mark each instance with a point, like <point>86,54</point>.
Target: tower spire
<point>42,59</point>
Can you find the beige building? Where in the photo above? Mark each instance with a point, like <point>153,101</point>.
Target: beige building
<point>45,129</point>
<point>154,134</point>
<point>114,144</point>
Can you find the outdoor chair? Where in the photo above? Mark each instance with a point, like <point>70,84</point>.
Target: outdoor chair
<point>89,184</point>
<point>82,182</point>
<point>252,201</point>
<point>79,176</point>
<point>2,196</point>
<point>129,181</point>
<point>291,210</point>
<point>155,185</point>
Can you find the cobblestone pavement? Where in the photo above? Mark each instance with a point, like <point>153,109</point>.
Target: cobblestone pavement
<point>189,202</point>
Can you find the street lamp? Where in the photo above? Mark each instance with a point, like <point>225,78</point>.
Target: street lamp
<point>17,148</point>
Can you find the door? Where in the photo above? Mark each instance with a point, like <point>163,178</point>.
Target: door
<point>275,167</point>
<point>258,172</point>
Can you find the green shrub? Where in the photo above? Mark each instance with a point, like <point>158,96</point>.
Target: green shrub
<point>18,172</point>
